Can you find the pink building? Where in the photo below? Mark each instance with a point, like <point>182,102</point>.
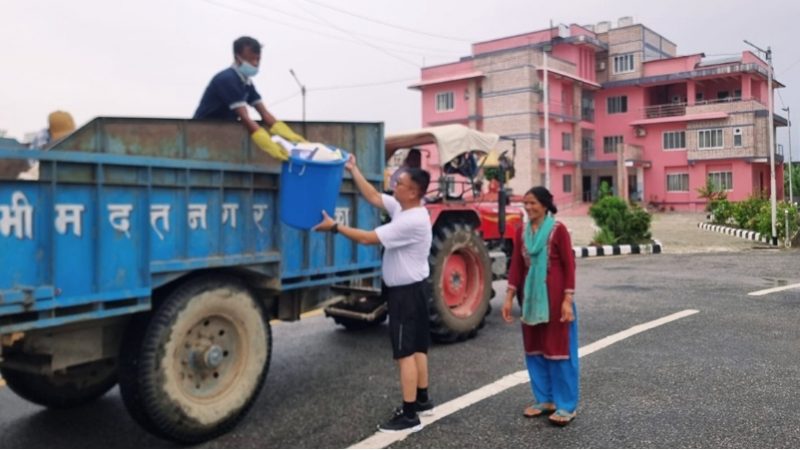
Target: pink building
<point>623,108</point>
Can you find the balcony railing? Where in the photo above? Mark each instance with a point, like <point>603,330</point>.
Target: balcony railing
<point>719,100</point>
<point>559,109</point>
<point>668,110</point>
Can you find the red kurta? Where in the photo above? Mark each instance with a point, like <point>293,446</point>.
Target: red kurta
<point>549,339</point>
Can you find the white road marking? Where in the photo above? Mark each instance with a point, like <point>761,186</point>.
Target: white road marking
<point>775,289</point>
<point>383,440</point>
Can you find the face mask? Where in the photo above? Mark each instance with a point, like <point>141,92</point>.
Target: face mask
<point>248,69</point>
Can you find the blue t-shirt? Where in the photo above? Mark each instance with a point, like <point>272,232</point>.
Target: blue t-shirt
<point>226,91</point>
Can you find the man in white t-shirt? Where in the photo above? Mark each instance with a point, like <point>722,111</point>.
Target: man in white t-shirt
<point>407,243</point>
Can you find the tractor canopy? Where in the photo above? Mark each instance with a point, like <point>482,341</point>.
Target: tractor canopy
<point>451,141</point>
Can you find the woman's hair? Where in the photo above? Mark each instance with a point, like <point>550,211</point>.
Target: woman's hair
<point>544,197</point>
<point>413,159</point>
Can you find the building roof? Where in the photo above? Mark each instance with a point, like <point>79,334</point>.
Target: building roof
<point>717,61</point>
<point>456,77</point>
<point>572,77</point>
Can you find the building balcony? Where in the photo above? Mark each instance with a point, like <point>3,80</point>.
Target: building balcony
<point>668,110</point>
<point>726,105</point>
<point>723,105</point>
<point>559,110</point>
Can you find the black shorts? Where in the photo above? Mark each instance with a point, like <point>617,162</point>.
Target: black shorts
<point>408,318</point>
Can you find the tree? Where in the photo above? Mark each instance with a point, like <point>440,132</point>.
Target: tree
<point>712,193</point>
<point>792,173</point>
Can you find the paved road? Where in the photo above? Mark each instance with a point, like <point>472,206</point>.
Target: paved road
<point>725,377</point>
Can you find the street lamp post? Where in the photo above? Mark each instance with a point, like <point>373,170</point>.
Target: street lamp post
<point>773,206</point>
<point>302,92</point>
<point>791,169</point>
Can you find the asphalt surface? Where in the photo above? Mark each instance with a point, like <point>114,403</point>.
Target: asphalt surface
<point>726,377</point>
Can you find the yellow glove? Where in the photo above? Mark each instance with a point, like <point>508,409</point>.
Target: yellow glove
<point>281,129</point>
<point>265,142</point>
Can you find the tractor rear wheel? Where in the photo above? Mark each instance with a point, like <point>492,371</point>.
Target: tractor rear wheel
<point>462,283</point>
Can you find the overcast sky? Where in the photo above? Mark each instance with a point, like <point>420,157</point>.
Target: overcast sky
<point>153,58</point>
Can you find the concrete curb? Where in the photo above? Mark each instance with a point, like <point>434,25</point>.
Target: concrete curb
<point>613,250</point>
<point>737,232</point>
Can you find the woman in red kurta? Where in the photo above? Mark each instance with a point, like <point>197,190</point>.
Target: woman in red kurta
<point>549,325</point>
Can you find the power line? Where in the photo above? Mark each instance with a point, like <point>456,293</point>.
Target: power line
<point>427,51</point>
<point>369,19</point>
<point>780,98</point>
<point>272,20</point>
<point>352,86</point>
<point>367,43</point>
<point>285,99</point>
<point>790,66</point>
<point>295,27</point>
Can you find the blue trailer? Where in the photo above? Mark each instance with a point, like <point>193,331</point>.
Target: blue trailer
<point>150,254</point>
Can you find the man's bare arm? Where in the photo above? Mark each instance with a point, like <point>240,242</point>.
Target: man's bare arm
<point>366,188</point>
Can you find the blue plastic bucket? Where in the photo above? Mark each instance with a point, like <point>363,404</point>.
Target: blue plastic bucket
<point>308,187</point>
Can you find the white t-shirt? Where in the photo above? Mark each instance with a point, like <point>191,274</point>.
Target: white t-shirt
<point>407,242</point>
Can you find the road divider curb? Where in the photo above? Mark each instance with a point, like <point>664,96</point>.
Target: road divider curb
<point>737,232</point>
<point>614,250</point>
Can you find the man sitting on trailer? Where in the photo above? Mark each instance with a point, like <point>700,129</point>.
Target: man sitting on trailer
<point>407,243</point>
<point>231,91</point>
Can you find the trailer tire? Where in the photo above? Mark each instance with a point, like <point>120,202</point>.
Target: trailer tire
<point>197,365</point>
<point>76,386</point>
<point>461,280</point>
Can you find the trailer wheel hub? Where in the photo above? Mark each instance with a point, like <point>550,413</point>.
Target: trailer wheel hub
<point>213,356</point>
<point>209,362</point>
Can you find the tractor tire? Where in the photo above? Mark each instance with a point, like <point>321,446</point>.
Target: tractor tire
<point>64,389</point>
<point>461,279</point>
<point>192,368</point>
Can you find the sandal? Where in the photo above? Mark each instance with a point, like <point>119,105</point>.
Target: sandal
<point>562,418</point>
<point>538,409</point>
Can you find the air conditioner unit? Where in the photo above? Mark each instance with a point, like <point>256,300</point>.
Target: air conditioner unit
<point>601,66</point>
<point>640,131</point>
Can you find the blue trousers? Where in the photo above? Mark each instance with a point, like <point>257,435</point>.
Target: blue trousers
<point>556,381</point>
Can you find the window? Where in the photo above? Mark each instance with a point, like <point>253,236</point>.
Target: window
<point>587,106</point>
<point>623,63</point>
<point>737,137</point>
<point>610,143</point>
<point>567,181</point>
<point>698,97</point>
<point>566,141</point>
<point>674,140</point>
<point>541,138</point>
<point>737,94</point>
<point>722,180</point>
<point>445,101</point>
<point>709,138</point>
<point>617,105</point>
<point>677,182</point>
<point>721,95</point>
